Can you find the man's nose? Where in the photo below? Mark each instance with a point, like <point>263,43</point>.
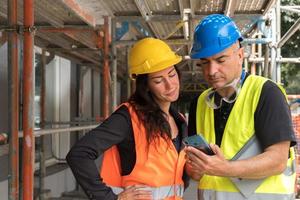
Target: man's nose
<point>212,68</point>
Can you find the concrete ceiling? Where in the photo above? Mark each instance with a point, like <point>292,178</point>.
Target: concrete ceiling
<point>171,20</point>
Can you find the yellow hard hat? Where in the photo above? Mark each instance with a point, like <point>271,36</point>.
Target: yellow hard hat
<point>151,55</point>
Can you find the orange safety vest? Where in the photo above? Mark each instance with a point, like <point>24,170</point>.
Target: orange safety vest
<point>158,167</point>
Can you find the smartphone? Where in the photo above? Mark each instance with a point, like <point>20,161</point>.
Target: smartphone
<point>198,142</point>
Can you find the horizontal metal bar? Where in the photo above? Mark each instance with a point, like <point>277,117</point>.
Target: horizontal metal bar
<point>256,40</point>
<point>65,29</point>
<point>72,49</point>
<point>40,132</point>
<point>175,18</point>
<point>290,9</point>
<point>280,60</point>
<point>170,42</point>
<point>293,96</point>
<point>71,122</point>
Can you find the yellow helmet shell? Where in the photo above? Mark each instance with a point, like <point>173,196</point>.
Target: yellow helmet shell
<point>151,55</point>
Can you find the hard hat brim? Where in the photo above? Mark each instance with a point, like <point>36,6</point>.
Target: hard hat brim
<point>208,52</point>
<point>160,66</point>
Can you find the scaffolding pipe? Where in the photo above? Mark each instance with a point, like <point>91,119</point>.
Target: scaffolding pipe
<point>28,103</point>
<point>290,9</point>
<point>13,101</point>
<point>38,133</point>
<point>278,37</point>
<point>106,73</point>
<point>259,54</point>
<point>170,42</point>
<point>256,41</point>
<point>42,171</point>
<point>295,27</point>
<point>266,61</point>
<point>273,67</point>
<point>128,82</point>
<point>65,29</point>
<point>253,65</point>
<point>114,66</point>
<point>279,60</point>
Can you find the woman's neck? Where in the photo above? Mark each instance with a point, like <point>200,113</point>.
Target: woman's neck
<point>164,106</point>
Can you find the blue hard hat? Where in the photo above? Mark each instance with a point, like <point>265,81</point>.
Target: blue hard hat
<point>214,34</point>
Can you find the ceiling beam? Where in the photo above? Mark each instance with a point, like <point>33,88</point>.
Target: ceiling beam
<point>146,13</point>
<point>91,43</point>
<point>192,6</point>
<point>89,39</point>
<point>44,12</point>
<point>268,6</point>
<point>80,12</point>
<point>60,42</point>
<point>180,4</point>
<point>229,8</point>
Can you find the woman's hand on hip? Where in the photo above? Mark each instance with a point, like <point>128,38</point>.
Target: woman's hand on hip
<point>136,192</point>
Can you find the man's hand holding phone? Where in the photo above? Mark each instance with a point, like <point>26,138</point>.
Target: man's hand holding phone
<point>204,158</point>
<point>198,142</point>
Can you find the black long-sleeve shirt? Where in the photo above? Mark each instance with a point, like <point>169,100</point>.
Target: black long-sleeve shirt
<point>116,130</point>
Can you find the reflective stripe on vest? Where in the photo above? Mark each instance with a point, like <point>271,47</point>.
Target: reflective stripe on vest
<point>159,192</point>
<point>218,195</point>
<point>232,143</point>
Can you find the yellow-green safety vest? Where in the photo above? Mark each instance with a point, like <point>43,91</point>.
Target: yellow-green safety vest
<point>238,130</point>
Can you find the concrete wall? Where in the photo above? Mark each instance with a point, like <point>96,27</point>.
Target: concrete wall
<point>60,182</point>
<point>4,189</point>
<point>97,93</point>
<point>58,82</point>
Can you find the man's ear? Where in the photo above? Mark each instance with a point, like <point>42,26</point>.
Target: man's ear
<point>241,55</point>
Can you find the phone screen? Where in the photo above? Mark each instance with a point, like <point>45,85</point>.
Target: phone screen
<point>198,142</point>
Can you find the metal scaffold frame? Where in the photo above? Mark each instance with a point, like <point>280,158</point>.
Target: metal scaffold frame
<point>266,36</point>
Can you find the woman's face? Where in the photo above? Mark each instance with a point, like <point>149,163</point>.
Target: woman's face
<point>164,85</point>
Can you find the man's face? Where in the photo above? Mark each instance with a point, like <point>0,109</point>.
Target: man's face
<point>222,68</point>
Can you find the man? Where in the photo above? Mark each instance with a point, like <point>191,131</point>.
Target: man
<point>246,119</point>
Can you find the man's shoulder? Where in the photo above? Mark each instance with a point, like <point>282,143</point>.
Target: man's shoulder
<point>271,90</point>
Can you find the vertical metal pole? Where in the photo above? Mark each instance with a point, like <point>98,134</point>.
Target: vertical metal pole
<point>106,73</point>
<point>246,64</point>
<point>278,37</point>
<point>266,61</point>
<point>253,64</point>
<point>13,114</point>
<point>273,49</point>
<point>42,173</point>
<point>114,66</point>
<point>259,54</point>
<point>92,94</point>
<point>128,78</point>
<point>28,103</point>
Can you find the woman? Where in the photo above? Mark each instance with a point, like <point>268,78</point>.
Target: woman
<point>142,139</point>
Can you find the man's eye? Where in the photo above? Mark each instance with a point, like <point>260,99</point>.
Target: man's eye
<point>203,63</point>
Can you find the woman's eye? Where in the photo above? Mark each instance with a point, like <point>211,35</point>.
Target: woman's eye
<point>157,81</point>
<point>172,75</point>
